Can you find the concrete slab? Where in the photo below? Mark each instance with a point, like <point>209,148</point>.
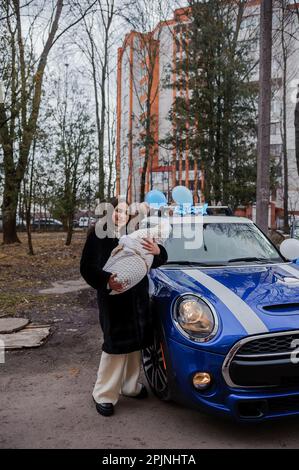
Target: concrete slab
<point>30,337</point>
<point>63,287</point>
<point>12,324</point>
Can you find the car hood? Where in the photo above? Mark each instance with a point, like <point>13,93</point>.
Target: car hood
<point>249,299</point>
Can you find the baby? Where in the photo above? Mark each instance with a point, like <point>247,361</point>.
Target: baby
<point>130,261</point>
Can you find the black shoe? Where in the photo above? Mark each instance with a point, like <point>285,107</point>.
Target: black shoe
<point>105,409</point>
<point>142,394</point>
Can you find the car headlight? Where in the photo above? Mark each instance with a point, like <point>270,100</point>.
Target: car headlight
<point>195,317</point>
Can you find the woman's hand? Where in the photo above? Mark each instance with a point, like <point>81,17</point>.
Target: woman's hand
<point>151,246</point>
<point>114,284</point>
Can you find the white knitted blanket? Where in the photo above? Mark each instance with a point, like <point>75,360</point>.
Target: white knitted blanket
<point>130,260</point>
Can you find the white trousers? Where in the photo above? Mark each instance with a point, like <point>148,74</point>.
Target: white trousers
<point>117,374</point>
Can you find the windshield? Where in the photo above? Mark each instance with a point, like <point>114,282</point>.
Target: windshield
<point>223,243</point>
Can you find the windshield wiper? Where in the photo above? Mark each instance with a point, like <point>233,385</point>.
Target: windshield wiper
<point>194,263</point>
<point>248,259</point>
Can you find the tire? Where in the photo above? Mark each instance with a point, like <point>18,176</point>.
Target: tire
<point>154,366</point>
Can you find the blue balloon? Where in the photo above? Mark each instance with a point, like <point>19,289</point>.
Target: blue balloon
<point>155,198</point>
<point>182,195</point>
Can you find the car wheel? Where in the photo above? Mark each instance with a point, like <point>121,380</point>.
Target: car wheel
<point>154,367</point>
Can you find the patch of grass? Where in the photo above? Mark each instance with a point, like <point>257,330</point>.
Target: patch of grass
<point>22,275</point>
<point>52,260</point>
<point>12,302</point>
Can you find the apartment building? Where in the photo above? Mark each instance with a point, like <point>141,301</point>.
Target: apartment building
<point>167,167</point>
<point>136,60</point>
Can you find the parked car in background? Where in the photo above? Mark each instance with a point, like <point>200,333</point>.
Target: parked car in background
<point>295,229</point>
<point>86,221</point>
<point>46,224</point>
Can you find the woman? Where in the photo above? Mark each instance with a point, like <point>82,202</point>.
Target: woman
<point>125,318</point>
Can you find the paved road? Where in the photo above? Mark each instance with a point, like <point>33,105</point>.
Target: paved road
<point>45,401</point>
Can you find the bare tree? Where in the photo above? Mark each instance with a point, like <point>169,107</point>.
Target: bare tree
<point>73,145</point>
<point>111,127</point>
<point>146,49</point>
<point>296,122</point>
<point>295,10</point>
<point>25,91</point>
<point>28,193</point>
<point>24,76</point>
<point>96,44</point>
<point>287,30</point>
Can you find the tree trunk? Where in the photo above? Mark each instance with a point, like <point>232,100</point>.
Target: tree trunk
<point>264,110</point>
<point>9,225</point>
<point>11,185</point>
<point>9,210</point>
<point>28,202</point>
<point>69,232</point>
<point>297,130</point>
<point>284,133</point>
<point>147,150</point>
<point>143,174</point>
<point>97,109</point>
<point>28,230</point>
<point>71,212</point>
<point>102,130</point>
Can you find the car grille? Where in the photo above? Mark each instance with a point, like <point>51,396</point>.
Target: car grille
<point>272,345</point>
<point>263,361</point>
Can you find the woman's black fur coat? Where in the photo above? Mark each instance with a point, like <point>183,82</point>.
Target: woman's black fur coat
<point>125,318</point>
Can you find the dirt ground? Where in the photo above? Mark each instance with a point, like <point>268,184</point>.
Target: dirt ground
<point>45,393</point>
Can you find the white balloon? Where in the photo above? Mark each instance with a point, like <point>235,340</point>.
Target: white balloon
<point>290,249</point>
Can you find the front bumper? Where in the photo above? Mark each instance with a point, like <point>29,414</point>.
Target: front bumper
<point>242,404</point>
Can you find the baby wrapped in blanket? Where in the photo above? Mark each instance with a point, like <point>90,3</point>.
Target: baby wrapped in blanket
<point>130,261</point>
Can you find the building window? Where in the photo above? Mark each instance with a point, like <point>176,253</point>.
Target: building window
<point>275,128</point>
<point>191,164</point>
<point>250,22</point>
<point>275,107</point>
<point>178,165</point>
<point>276,150</point>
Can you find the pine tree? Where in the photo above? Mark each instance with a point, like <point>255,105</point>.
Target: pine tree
<point>214,117</point>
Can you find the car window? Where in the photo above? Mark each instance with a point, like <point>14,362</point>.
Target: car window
<point>221,243</point>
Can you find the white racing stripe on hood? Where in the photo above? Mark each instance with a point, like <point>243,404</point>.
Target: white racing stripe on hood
<point>243,313</point>
<point>289,269</point>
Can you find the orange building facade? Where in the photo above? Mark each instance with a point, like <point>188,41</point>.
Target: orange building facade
<point>144,63</point>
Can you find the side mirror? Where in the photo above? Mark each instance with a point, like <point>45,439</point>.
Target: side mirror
<point>290,249</point>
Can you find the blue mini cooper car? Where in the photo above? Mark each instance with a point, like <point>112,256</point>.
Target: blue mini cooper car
<point>227,322</point>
